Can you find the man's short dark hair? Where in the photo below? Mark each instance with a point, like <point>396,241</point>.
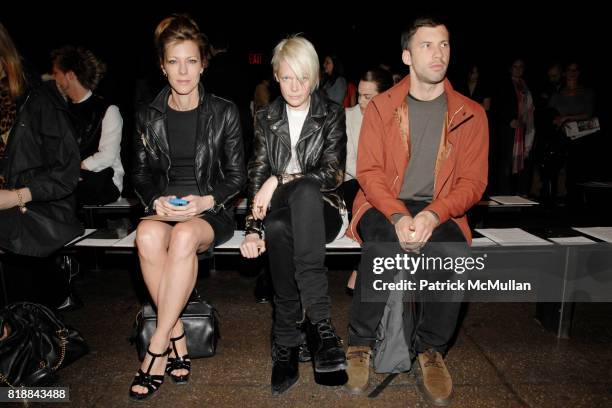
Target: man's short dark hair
<point>416,24</point>
<point>88,69</point>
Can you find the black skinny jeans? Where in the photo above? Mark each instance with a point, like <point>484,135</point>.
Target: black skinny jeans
<point>437,322</point>
<point>298,226</point>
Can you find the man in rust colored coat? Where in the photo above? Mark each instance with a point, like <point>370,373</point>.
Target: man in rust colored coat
<point>422,163</point>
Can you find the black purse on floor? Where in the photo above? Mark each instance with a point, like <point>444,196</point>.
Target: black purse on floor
<point>35,344</point>
<point>200,321</point>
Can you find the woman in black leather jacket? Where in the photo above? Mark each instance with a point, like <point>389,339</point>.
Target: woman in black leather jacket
<point>296,168</point>
<point>188,146</point>
<point>39,162</point>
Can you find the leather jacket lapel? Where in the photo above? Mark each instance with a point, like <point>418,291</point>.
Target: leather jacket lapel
<point>157,128</point>
<point>157,123</point>
<point>278,122</point>
<point>311,127</point>
<point>314,119</point>
<point>204,143</point>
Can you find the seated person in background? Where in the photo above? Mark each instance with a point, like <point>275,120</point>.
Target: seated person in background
<point>39,163</point>
<point>576,102</point>
<point>333,82</point>
<point>97,124</point>
<point>371,84</point>
<point>475,88</point>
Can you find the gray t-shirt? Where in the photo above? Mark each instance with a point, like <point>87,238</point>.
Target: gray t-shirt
<point>426,119</point>
<point>581,103</point>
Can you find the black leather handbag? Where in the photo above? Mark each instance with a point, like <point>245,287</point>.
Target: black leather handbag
<point>34,344</point>
<point>200,320</point>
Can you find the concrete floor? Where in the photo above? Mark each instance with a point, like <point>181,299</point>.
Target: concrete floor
<point>502,356</point>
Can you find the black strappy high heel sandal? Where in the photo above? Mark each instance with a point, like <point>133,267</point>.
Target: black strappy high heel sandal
<point>150,382</point>
<point>178,363</point>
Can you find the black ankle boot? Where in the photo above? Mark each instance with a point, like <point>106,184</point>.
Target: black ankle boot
<point>326,347</point>
<point>285,368</point>
<point>304,355</point>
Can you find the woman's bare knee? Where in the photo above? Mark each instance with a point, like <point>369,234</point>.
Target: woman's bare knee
<point>187,238</point>
<point>183,241</point>
<point>151,237</point>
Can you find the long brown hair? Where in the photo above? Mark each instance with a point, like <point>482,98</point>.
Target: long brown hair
<point>11,64</point>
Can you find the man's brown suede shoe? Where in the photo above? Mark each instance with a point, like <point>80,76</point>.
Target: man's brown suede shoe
<point>435,383</point>
<point>358,370</point>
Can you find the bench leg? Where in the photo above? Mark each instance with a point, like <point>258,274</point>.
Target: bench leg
<point>212,264</point>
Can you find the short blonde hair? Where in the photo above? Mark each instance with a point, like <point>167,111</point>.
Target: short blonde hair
<point>301,56</point>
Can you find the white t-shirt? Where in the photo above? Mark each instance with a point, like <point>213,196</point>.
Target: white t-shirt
<point>354,117</point>
<point>296,120</point>
<point>109,147</point>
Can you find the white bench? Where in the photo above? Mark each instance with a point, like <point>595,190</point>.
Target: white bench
<point>343,245</point>
<point>126,245</point>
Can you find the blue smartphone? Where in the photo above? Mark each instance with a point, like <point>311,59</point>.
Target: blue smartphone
<point>178,201</point>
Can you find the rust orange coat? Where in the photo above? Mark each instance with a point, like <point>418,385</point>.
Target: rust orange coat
<point>384,151</point>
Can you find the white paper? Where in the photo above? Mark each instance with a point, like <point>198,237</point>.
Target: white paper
<point>572,240</point>
<point>488,203</point>
<point>482,242</point>
<point>103,238</point>
<point>126,242</point>
<point>93,242</point>
<point>87,232</point>
<point>169,218</point>
<point>343,242</point>
<point>603,233</point>
<point>513,200</point>
<point>512,236</point>
<point>577,129</point>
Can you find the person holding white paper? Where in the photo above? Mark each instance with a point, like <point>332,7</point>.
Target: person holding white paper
<point>575,102</point>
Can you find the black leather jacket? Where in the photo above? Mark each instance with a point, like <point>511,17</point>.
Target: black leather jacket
<point>42,155</point>
<point>321,149</point>
<point>219,158</point>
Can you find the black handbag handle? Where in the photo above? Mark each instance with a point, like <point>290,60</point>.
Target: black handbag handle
<point>195,296</point>
<point>38,318</point>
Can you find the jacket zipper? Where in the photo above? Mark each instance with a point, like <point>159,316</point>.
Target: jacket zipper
<point>454,114</point>
<point>355,216</point>
<point>446,151</point>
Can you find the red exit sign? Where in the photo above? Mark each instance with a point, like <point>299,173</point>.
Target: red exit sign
<point>255,58</point>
